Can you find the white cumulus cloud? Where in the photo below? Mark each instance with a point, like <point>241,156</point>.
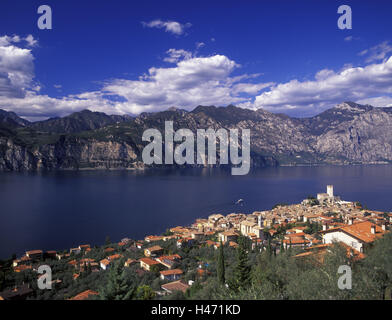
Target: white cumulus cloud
<point>16,67</point>
<point>175,55</point>
<point>191,81</point>
<point>329,88</point>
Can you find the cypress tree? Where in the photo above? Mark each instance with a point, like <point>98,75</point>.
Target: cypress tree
<point>88,269</point>
<point>242,269</point>
<point>83,274</point>
<point>269,248</point>
<point>281,246</point>
<point>221,265</point>
<point>290,249</point>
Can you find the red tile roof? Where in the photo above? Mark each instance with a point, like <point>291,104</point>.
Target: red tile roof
<point>149,261</point>
<point>114,256</point>
<point>171,272</point>
<point>84,295</point>
<point>33,252</point>
<point>72,262</point>
<point>296,241</point>
<point>154,248</point>
<point>21,267</point>
<point>175,286</point>
<point>105,262</point>
<point>129,262</point>
<point>170,257</point>
<point>360,231</point>
<point>153,238</point>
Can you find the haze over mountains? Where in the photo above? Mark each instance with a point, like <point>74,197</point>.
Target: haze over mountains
<point>346,134</point>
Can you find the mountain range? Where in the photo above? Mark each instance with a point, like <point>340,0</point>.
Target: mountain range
<point>348,133</point>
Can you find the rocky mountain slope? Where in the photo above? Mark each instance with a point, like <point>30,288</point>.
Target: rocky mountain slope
<point>78,121</point>
<point>10,119</point>
<point>346,134</point>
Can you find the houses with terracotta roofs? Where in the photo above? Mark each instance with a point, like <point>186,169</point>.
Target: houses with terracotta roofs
<point>175,286</point>
<point>169,261</point>
<point>311,226</point>
<point>171,275</point>
<point>35,254</point>
<point>106,263</point>
<point>251,229</point>
<point>148,263</point>
<point>228,236</point>
<point>17,293</point>
<point>358,235</point>
<point>153,251</point>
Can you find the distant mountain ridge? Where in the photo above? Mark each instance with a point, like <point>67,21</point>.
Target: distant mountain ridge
<point>77,122</point>
<point>11,119</point>
<point>349,133</point>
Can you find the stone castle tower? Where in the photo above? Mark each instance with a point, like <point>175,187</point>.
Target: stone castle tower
<point>330,191</point>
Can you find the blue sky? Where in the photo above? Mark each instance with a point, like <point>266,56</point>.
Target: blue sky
<point>129,57</point>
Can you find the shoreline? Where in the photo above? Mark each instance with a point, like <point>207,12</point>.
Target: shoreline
<point>171,168</point>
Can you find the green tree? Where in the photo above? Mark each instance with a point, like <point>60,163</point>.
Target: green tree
<point>290,251</point>
<point>377,269</point>
<point>193,289</point>
<point>314,202</point>
<point>168,233</point>
<point>242,269</point>
<point>2,280</point>
<point>320,281</point>
<point>279,205</point>
<point>221,265</point>
<point>269,248</point>
<point>116,287</point>
<point>88,269</point>
<point>145,292</point>
<point>155,269</point>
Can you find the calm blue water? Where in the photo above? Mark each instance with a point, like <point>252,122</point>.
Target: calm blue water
<point>64,209</point>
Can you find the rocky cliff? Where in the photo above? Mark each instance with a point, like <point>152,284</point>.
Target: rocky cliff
<point>346,134</point>
<point>68,153</point>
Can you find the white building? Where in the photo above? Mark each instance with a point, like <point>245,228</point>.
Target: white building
<point>356,235</point>
<point>249,228</point>
<point>229,235</point>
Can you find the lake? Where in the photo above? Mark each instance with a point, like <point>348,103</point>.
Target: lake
<point>59,210</point>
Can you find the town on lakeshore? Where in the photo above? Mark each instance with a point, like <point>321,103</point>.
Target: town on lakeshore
<point>311,227</point>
